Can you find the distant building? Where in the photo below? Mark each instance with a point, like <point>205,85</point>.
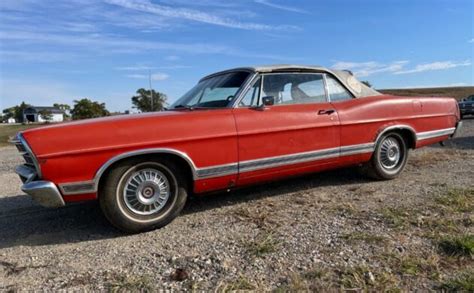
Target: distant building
<point>33,114</point>
<point>11,120</point>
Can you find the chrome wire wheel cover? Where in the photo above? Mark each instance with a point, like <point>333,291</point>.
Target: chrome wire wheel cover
<point>390,153</point>
<point>146,191</point>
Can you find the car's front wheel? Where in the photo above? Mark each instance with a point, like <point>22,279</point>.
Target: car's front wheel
<point>143,194</point>
<point>389,158</point>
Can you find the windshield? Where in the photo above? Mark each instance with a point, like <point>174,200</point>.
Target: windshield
<point>213,92</point>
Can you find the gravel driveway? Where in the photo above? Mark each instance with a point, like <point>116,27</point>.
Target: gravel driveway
<point>329,230</point>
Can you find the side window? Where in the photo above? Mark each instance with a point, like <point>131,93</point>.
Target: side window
<point>292,88</point>
<point>251,97</point>
<point>336,91</point>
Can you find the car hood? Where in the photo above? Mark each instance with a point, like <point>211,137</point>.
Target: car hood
<point>95,135</point>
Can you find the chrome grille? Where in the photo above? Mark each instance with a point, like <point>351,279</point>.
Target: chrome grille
<point>29,171</point>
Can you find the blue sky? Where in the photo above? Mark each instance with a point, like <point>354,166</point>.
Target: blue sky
<point>58,51</point>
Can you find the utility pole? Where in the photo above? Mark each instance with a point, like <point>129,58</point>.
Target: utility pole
<point>151,91</point>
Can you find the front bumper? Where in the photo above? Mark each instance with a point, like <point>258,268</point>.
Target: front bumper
<point>45,193</point>
<point>457,132</point>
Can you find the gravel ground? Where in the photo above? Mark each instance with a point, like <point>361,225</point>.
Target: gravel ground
<point>329,230</point>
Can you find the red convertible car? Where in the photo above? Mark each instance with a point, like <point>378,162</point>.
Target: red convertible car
<point>234,128</point>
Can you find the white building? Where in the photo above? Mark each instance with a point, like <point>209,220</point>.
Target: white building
<point>34,114</point>
<point>11,120</point>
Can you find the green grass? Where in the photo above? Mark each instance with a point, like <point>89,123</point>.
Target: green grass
<point>458,246</point>
<point>457,199</point>
<point>9,131</point>
<point>396,217</point>
<point>262,244</point>
<point>366,237</point>
<point>462,283</point>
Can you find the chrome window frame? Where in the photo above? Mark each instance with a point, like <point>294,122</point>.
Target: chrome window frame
<point>341,84</point>
<point>248,87</point>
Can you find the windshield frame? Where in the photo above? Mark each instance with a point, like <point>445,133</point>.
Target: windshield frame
<point>230,104</point>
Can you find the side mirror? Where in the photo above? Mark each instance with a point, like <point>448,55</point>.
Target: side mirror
<point>268,101</point>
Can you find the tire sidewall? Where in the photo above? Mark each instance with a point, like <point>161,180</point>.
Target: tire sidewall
<point>113,205</point>
<point>381,171</point>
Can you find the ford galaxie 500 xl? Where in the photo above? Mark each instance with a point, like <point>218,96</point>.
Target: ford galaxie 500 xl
<point>234,128</point>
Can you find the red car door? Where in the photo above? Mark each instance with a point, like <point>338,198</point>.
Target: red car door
<point>297,134</point>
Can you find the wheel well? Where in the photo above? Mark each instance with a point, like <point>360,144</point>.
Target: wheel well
<point>181,163</point>
<point>407,135</point>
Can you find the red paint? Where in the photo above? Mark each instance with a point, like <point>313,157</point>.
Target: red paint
<point>75,151</point>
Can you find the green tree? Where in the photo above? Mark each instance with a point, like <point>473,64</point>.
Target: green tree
<point>46,115</point>
<point>85,108</point>
<point>367,83</point>
<point>142,101</point>
<point>64,107</point>
<point>15,112</point>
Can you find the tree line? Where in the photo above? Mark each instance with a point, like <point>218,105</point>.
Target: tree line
<point>143,101</point>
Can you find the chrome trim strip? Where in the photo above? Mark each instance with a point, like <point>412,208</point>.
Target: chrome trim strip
<point>217,171</point>
<point>435,133</point>
<point>221,170</point>
<point>80,187</point>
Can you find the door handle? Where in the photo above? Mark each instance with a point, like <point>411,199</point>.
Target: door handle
<point>326,112</point>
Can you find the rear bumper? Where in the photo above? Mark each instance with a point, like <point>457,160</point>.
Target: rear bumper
<point>457,132</point>
<point>45,193</point>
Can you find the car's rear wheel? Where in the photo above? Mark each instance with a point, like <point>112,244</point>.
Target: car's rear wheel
<point>389,158</point>
<point>143,194</point>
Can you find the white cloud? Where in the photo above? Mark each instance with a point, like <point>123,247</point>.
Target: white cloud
<point>35,92</point>
<point>146,67</point>
<point>362,69</point>
<point>471,41</point>
<point>439,65</point>
<point>172,58</point>
<point>279,6</point>
<point>154,76</point>
<point>194,15</point>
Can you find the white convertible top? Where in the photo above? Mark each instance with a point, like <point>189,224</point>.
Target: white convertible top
<point>346,77</point>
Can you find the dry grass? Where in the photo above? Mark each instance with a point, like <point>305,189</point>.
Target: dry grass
<point>124,283</point>
<point>463,282</point>
<point>365,237</point>
<point>240,284</point>
<point>9,131</point>
<point>263,244</point>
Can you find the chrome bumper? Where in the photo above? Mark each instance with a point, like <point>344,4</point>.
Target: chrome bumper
<point>45,193</point>
<point>457,132</point>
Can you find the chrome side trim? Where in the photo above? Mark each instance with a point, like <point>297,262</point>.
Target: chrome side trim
<point>80,187</point>
<point>45,193</point>
<point>253,165</point>
<point>221,170</point>
<point>357,149</point>
<point>216,171</point>
<point>435,133</point>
